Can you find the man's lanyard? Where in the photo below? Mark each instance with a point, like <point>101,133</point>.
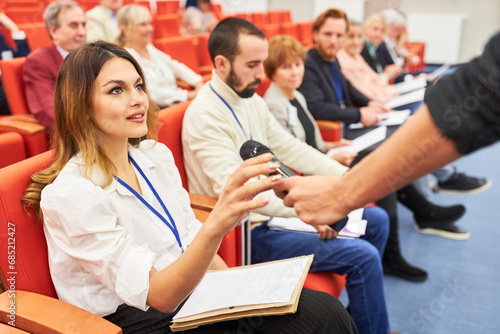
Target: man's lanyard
<point>234,115</point>
<point>337,84</point>
<point>172,225</point>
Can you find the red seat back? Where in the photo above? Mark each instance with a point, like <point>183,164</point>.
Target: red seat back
<point>36,34</point>
<point>305,33</point>
<point>13,85</point>
<point>285,16</point>
<point>11,148</point>
<point>270,30</point>
<point>184,49</point>
<point>167,7</point>
<point>273,17</point>
<point>17,229</point>
<point>170,135</point>
<point>167,25</point>
<point>324,281</point>
<point>290,29</point>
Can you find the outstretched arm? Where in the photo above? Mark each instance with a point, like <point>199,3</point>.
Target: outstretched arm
<point>170,286</point>
<point>416,149</point>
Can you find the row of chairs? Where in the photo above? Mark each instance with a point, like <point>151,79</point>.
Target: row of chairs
<point>168,25</point>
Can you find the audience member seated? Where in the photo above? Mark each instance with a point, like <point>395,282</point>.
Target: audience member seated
<point>197,18</point>
<point>395,37</point>
<point>65,22</point>
<point>355,69</point>
<point>285,68</point>
<point>102,21</point>
<point>6,52</point>
<point>224,115</point>
<point>330,96</point>
<point>109,250</point>
<point>375,50</point>
<point>160,69</point>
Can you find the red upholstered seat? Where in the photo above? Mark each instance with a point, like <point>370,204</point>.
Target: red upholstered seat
<point>24,263</point>
<point>33,133</point>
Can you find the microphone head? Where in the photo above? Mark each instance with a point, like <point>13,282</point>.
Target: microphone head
<point>252,148</point>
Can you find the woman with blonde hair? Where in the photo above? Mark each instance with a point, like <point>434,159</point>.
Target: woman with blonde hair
<point>357,71</point>
<point>374,28</point>
<point>161,71</point>
<point>123,242</point>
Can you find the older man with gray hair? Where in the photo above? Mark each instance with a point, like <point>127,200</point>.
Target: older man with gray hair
<point>65,23</point>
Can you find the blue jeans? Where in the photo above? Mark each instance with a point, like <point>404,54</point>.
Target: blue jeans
<point>360,259</point>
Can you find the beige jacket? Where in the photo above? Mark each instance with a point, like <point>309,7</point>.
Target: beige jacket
<point>211,139</point>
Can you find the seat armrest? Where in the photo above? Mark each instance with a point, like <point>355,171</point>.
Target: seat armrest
<point>183,84</point>
<point>37,313</point>
<point>202,202</point>
<point>202,205</point>
<point>20,125</point>
<point>328,125</point>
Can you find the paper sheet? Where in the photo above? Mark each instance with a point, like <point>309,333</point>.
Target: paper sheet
<point>401,100</point>
<point>397,117</point>
<point>362,142</point>
<point>437,73</point>
<point>263,284</point>
<point>354,228</point>
<point>408,86</point>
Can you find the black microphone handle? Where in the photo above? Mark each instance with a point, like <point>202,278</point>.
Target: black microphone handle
<point>283,170</point>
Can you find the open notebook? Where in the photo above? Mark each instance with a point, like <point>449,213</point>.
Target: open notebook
<point>269,288</point>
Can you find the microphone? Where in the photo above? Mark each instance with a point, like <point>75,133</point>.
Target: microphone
<point>252,148</point>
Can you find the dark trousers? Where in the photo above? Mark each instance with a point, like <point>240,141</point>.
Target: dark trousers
<point>317,313</point>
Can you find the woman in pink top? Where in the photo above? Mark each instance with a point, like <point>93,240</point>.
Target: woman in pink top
<point>357,71</point>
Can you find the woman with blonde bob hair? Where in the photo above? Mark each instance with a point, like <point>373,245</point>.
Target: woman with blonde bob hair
<point>161,71</point>
<point>123,241</point>
<point>285,67</point>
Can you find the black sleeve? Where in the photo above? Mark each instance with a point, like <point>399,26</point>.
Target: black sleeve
<point>321,107</point>
<point>466,105</point>
<point>22,48</point>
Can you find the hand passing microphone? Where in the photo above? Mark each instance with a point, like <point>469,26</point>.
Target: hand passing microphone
<point>252,148</point>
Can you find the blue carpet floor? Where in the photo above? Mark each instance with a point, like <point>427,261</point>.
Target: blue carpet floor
<point>462,293</point>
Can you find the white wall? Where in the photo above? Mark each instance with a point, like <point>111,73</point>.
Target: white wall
<point>481,21</point>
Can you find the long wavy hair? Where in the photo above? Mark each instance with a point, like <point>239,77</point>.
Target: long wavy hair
<point>74,131</point>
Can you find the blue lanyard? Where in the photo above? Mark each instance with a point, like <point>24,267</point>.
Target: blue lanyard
<point>337,84</point>
<point>171,226</point>
<point>234,115</point>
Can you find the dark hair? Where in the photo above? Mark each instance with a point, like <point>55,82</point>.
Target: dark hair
<point>74,129</point>
<point>224,38</point>
<point>329,13</point>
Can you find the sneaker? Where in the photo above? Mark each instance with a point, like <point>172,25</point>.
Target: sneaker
<point>448,231</point>
<point>402,269</point>
<point>463,184</point>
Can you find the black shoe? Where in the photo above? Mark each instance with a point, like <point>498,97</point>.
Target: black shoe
<point>448,231</point>
<point>463,184</point>
<point>439,215</point>
<point>402,269</point>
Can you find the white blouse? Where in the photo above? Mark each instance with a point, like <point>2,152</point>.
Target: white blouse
<point>102,243</point>
<point>161,72</point>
